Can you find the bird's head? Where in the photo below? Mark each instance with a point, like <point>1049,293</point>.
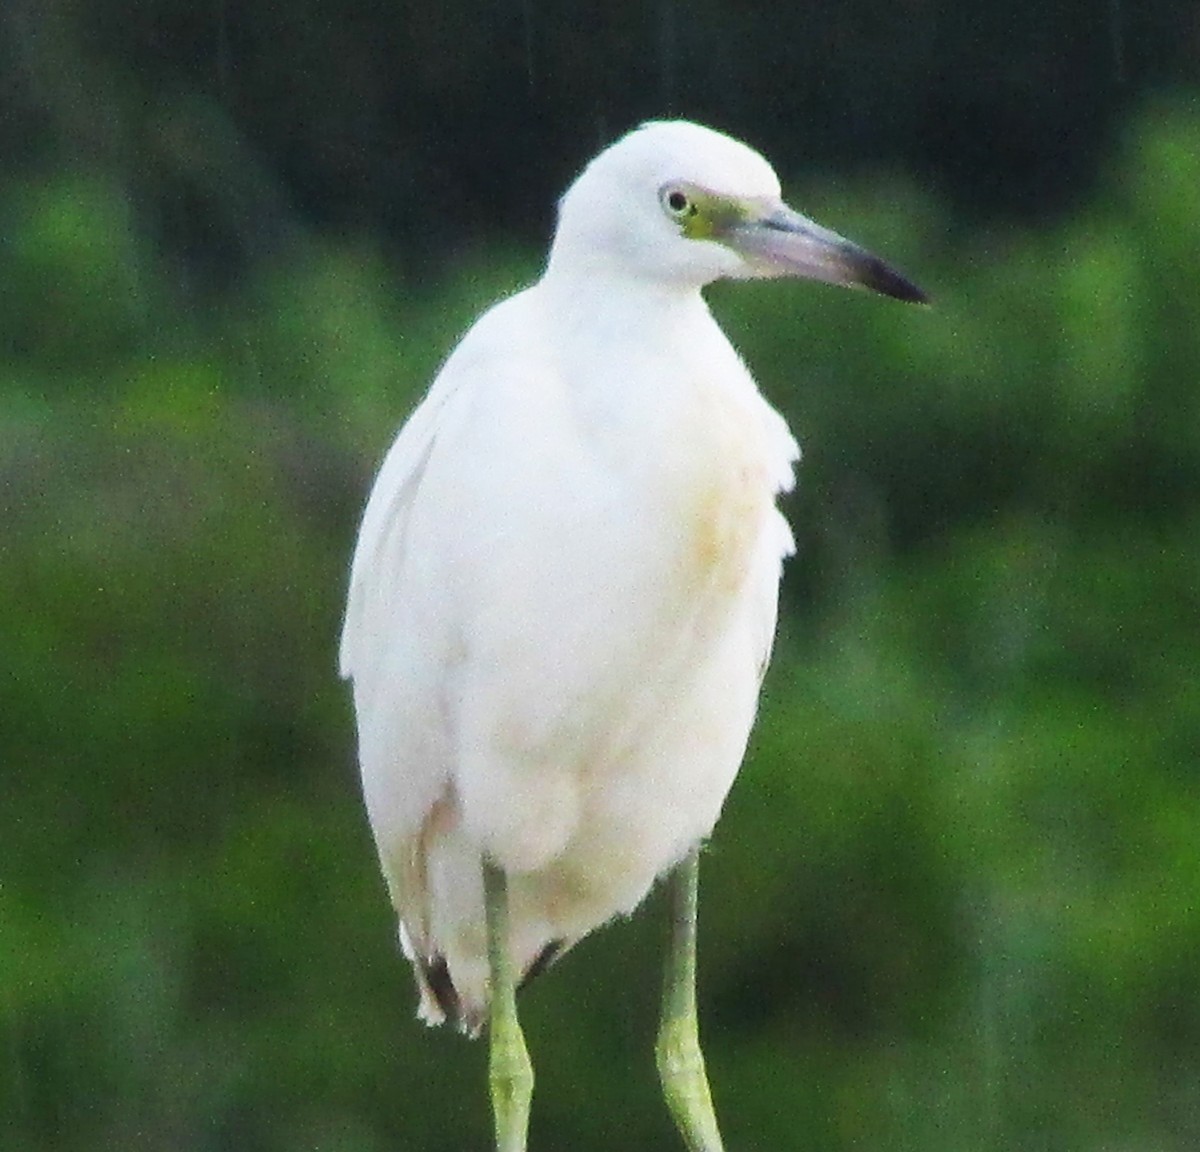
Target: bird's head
<point>678,203</point>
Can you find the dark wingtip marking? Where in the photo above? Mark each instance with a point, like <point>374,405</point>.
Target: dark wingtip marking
<point>542,961</point>
<point>437,976</point>
<point>441,986</point>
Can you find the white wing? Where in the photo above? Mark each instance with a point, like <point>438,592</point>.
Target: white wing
<point>379,551</point>
<point>396,646</point>
<point>778,543</point>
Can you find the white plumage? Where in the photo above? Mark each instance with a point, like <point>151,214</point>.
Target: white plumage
<point>564,590</point>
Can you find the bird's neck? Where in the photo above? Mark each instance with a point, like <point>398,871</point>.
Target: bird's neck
<point>595,295</point>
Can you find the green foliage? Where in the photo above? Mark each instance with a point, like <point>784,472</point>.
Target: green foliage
<point>952,902</point>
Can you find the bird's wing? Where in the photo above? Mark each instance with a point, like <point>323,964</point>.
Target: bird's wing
<point>381,536</point>
<point>777,542</point>
<point>776,545</point>
<point>395,647</point>
<point>401,642</point>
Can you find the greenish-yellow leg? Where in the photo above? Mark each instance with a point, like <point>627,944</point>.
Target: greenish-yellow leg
<point>680,1061</point>
<point>510,1074</point>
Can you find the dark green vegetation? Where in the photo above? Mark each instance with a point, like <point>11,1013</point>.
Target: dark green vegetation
<point>954,902</point>
<point>227,120</point>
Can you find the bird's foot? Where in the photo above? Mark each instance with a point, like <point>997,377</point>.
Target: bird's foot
<point>510,1077</point>
<point>685,1085</point>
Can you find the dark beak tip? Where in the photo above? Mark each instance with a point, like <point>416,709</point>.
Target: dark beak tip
<point>887,281</point>
<point>915,295</point>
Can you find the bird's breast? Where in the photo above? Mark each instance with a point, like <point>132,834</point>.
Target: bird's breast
<point>724,489</point>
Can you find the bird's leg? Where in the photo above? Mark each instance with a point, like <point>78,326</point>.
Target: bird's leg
<point>510,1074</point>
<point>680,1061</point>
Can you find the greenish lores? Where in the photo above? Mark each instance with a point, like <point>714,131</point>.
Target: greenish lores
<point>703,215</point>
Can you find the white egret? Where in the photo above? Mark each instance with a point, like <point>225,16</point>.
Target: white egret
<point>564,593</point>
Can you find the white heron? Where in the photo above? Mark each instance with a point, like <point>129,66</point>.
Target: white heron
<point>564,594</point>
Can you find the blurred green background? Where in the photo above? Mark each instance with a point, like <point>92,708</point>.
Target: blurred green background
<point>953,901</point>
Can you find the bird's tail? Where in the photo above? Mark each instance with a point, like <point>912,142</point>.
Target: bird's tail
<point>436,885</point>
<point>440,1002</point>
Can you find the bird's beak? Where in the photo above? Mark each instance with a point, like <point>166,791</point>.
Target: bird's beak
<point>776,241</point>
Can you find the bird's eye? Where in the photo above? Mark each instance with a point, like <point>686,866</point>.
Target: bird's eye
<point>678,203</point>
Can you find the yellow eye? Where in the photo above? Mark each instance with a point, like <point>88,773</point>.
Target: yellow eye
<point>677,202</point>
